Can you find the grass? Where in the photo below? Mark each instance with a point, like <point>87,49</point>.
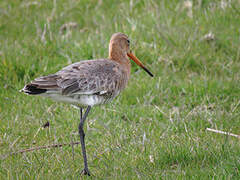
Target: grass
<point>156,129</point>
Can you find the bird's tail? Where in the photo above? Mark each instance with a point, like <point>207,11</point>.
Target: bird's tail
<point>41,85</point>
<point>32,89</point>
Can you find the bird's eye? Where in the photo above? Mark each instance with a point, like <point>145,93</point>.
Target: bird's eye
<point>128,42</point>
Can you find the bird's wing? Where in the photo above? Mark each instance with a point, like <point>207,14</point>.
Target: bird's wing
<point>90,77</point>
<point>85,77</point>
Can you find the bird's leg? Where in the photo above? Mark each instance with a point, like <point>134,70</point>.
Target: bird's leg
<point>81,113</point>
<point>82,136</point>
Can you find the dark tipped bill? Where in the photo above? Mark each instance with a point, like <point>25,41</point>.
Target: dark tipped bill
<point>138,62</point>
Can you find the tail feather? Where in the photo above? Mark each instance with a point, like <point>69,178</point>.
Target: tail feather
<point>32,89</point>
<point>41,85</point>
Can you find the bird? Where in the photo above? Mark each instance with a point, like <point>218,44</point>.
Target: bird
<point>88,83</point>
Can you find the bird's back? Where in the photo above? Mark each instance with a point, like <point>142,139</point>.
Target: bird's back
<point>89,82</point>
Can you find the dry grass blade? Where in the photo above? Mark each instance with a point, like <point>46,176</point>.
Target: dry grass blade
<point>222,132</point>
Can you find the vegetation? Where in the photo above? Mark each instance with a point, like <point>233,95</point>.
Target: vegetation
<point>157,127</point>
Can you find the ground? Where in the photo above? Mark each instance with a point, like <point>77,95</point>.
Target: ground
<point>156,128</point>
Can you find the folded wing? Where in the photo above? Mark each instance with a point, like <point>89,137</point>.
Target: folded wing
<point>85,77</point>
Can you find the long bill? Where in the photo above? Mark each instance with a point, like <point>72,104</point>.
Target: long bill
<point>138,62</point>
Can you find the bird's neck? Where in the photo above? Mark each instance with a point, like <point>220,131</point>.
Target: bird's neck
<point>122,59</point>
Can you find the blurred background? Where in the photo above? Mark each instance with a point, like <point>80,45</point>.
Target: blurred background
<point>157,126</point>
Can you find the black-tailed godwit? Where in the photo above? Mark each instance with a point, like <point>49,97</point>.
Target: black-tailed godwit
<point>90,82</point>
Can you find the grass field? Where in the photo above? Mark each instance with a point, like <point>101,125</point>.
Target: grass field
<point>156,129</point>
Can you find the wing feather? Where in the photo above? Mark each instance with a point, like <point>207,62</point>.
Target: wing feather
<point>85,77</point>
<point>96,77</point>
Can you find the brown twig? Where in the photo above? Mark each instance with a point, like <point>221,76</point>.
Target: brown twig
<point>41,147</point>
<point>222,132</point>
<point>44,147</point>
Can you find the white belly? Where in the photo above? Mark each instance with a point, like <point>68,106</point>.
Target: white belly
<point>80,100</point>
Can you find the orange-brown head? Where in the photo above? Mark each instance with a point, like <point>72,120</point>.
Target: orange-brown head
<point>119,50</point>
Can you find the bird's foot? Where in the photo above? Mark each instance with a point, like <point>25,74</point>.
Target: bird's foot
<point>85,172</point>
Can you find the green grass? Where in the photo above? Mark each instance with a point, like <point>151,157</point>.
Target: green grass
<point>156,129</point>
